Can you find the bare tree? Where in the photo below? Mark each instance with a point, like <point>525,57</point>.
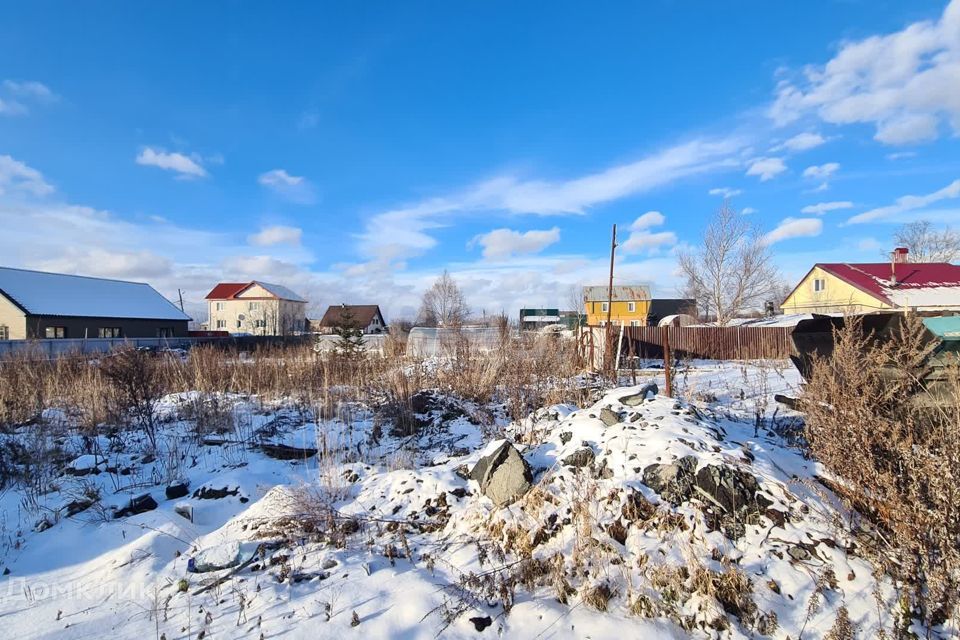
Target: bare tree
<point>732,270</point>
<point>928,244</point>
<point>443,304</point>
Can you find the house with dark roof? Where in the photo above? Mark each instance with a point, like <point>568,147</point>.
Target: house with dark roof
<point>37,304</point>
<point>360,316</point>
<point>865,287</point>
<point>256,308</point>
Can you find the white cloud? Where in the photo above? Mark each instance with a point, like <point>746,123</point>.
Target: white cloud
<point>11,108</point>
<point>278,234</point>
<point>18,94</point>
<point>403,232</point>
<point>802,142</point>
<point>642,239</point>
<point>293,188</point>
<point>908,203</point>
<point>30,89</point>
<point>725,192</point>
<point>645,240</point>
<point>904,83</point>
<point>821,171</point>
<point>505,243</point>
<point>869,244</point>
<point>901,155</point>
<point>647,220</point>
<point>184,166</point>
<point>747,211</point>
<point>794,228</point>
<point>766,168</point>
<point>129,265</point>
<point>16,176</point>
<point>823,207</point>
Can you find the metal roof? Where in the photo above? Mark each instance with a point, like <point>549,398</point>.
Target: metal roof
<point>40,293</point>
<point>230,291</point>
<point>621,293</point>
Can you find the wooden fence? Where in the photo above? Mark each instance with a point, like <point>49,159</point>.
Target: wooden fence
<point>709,343</point>
<point>713,343</point>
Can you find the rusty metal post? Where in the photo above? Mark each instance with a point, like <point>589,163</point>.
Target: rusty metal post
<point>666,361</point>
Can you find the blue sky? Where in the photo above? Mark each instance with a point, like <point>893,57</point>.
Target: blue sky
<point>353,151</point>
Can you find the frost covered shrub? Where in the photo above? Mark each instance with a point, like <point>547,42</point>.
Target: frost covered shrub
<point>894,458</point>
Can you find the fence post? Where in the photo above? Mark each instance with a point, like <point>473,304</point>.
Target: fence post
<point>666,361</point>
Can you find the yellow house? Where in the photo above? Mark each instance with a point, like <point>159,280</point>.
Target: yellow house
<point>631,304</point>
<point>866,287</point>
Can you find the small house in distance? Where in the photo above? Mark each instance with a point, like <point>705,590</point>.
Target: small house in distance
<point>37,305</point>
<point>533,319</point>
<point>631,305</point>
<point>256,308</point>
<point>661,308</point>
<point>366,317</point>
<point>865,287</point>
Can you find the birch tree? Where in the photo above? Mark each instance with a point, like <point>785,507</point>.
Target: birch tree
<point>732,270</point>
<point>443,304</point>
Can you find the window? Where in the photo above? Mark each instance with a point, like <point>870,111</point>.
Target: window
<point>164,332</point>
<point>253,306</point>
<point>55,332</point>
<point>220,306</point>
<point>221,324</point>
<point>604,306</point>
<point>632,307</point>
<point>261,324</point>
<point>819,284</point>
<point>239,324</point>
<point>4,332</point>
<point>634,323</point>
<point>109,332</point>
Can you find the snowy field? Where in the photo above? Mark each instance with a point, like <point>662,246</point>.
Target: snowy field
<point>368,532</point>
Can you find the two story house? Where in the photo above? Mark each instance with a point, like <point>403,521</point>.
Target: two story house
<point>256,308</point>
<point>630,305</point>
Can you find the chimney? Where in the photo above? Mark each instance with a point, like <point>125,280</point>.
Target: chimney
<point>897,256</point>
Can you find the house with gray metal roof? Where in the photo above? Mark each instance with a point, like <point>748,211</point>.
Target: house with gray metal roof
<point>37,304</point>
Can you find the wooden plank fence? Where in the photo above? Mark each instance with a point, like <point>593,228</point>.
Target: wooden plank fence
<point>711,343</point>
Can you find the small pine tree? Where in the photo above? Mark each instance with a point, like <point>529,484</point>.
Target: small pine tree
<point>351,342</point>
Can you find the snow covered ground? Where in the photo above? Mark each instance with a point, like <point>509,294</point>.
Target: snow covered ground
<point>382,535</point>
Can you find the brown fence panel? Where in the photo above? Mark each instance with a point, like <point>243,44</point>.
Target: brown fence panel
<point>712,343</point>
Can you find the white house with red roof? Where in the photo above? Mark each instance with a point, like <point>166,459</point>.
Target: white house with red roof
<point>865,287</point>
<point>257,308</point>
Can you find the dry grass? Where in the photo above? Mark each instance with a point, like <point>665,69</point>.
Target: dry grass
<point>905,473</point>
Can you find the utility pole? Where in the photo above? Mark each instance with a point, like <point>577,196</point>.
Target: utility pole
<point>607,338</point>
<point>180,293</point>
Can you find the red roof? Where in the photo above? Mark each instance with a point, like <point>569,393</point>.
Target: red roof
<point>226,290</point>
<point>875,277</point>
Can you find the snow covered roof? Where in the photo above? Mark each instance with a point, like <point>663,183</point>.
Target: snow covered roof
<point>54,294</point>
<point>917,284</point>
<point>279,291</point>
<point>230,290</point>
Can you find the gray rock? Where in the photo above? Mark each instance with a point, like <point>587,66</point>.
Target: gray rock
<point>730,495</point>
<point>580,458</point>
<point>609,417</point>
<point>503,475</point>
<point>674,482</point>
<point>565,437</point>
<point>638,398</point>
<point>732,489</point>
